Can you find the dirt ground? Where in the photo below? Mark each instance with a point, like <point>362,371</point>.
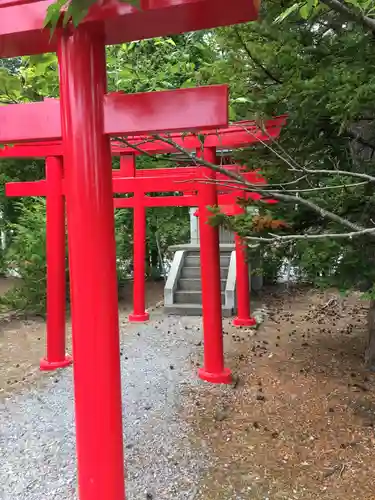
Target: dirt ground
<point>22,342</point>
<point>299,421</point>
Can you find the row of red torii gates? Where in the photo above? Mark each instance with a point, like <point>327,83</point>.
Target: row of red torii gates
<point>84,119</point>
<point>127,179</point>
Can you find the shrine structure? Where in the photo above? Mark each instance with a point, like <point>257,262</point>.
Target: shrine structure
<point>85,118</point>
<point>241,134</point>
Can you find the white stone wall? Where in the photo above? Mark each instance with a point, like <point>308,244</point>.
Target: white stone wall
<point>225,236</point>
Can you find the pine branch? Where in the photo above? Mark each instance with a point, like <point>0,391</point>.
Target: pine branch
<point>254,59</point>
<point>351,15</point>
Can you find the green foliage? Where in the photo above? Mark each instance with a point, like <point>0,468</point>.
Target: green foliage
<point>312,8</point>
<point>124,239</point>
<point>158,64</point>
<point>27,257</point>
<point>72,10</point>
<point>320,71</point>
<point>309,59</point>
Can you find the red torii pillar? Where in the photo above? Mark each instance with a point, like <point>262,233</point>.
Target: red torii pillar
<point>56,356</point>
<point>53,189</point>
<point>92,258</point>
<point>243,317</point>
<point>213,369</point>
<point>139,314</point>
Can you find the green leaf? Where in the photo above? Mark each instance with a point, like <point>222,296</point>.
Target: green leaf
<point>287,12</point>
<point>171,42</point>
<point>53,14</point>
<point>306,9</point>
<point>232,113</point>
<point>201,138</point>
<point>242,100</point>
<point>76,12</point>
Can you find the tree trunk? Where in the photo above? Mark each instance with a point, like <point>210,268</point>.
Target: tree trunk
<point>370,351</point>
<point>155,272</point>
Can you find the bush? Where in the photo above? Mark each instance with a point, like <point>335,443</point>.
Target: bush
<point>26,257</point>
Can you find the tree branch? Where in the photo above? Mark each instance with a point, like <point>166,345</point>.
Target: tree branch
<point>325,188</point>
<point>369,178</point>
<point>270,188</point>
<point>277,239</point>
<point>134,146</point>
<point>295,166</point>
<point>253,58</point>
<point>251,187</point>
<point>351,14</point>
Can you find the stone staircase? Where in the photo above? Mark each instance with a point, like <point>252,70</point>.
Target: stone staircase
<point>183,290</point>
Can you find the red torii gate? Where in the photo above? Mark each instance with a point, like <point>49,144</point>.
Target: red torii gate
<point>228,204</point>
<point>139,182</point>
<point>237,135</point>
<point>84,119</point>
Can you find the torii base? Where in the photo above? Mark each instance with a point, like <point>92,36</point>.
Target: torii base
<point>244,321</point>
<point>46,365</point>
<point>139,318</point>
<point>224,377</point>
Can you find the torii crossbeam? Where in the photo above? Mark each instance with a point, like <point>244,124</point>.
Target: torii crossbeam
<point>238,135</point>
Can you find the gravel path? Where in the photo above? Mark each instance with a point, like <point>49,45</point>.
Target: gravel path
<point>37,426</point>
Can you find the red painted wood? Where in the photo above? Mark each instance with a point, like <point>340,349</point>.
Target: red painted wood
<point>11,3</point>
<point>127,166</point>
<point>16,121</point>
<point>22,33</point>
<point>32,188</point>
<point>213,367</point>
<point>180,179</point>
<point>174,201</point>
<point>56,280</point>
<point>200,108</point>
<point>152,185</point>
<point>204,107</point>
<point>158,201</point>
<point>30,150</point>
<point>232,137</point>
<point>139,314</point>
<point>92,259</point>
<point>243,317</point>
<point>192,171</point>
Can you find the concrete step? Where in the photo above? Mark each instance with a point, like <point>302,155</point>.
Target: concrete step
<point>194,284</point>
<point>195,272</point>
<point>192,310</point>
<point>194,260</point>
<point>191,297</point>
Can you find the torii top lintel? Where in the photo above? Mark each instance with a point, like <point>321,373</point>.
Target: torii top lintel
<point>22,29</point>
